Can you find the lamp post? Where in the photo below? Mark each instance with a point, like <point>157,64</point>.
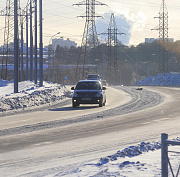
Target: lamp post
<point>54,56</point>
<point>149,62</point>
<point>49,52</point>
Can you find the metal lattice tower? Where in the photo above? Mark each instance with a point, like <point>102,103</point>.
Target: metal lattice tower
<point>90,39</point>
<point>8,58</point>
<point>112,67</point>
<point>163,37</point>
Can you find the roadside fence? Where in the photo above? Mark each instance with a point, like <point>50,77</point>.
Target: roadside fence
<point>164,155</point>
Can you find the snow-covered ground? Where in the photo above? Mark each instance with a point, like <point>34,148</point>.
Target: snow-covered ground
<point>141,160</point>
<point>30,95</point>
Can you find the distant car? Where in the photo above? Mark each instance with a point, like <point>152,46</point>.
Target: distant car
<point>89,92</point>
<point>93,77</point>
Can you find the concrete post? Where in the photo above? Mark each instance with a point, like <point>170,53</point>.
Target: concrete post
<point>31,43</point>
<point>22,64</point>
<point>35,73</point>
<point>164,155</point>
<point>15,47</point>
<point>40,46</point>
<point>27,44</point>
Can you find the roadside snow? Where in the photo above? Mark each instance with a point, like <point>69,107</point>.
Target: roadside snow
<point>168,79</point>
<point>141,160</point>
<point>130,162</point>
<point>30,95</point>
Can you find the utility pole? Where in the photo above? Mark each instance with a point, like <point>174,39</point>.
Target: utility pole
<point>112,33</point>
<point>40,46</point>
<point>35,45</point>
<point>12,16</point>
<point>22,65</point>
<point>7,58</point>
<point>31,43</point>
<point>16,48</point>
<point>90,39</point>
<point>163,37</point>
<point>27,43</point>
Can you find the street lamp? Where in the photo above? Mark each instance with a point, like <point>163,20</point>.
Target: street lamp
<point>53,56</point>
<point>149,62</point>
<point>49,52</point>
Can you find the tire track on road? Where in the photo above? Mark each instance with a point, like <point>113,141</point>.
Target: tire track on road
<point>141,99</point>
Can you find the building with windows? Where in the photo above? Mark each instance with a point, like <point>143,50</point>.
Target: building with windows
<point>151,40</point>
<point>63,43</point>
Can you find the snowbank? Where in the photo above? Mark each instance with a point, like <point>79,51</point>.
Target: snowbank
<point>169,79</point>
<point>131,151</point>
<point>131,161</point>
<point>30,95</point>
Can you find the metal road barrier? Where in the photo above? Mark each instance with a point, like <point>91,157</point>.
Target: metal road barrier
<point>164,155</point>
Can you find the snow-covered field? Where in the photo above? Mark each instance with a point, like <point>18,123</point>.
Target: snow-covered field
<point>141,160</point>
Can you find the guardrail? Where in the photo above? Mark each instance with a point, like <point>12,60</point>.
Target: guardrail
<point>164,155</point>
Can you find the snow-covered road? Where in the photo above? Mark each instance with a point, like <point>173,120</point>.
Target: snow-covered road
<point>60,138</point>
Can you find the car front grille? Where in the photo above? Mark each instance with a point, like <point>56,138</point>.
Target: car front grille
<point>86,94</point>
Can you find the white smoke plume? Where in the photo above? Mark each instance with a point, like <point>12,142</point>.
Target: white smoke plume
<point>127,22</point>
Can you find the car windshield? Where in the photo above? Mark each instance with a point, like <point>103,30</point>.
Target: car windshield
<point>88,86</point>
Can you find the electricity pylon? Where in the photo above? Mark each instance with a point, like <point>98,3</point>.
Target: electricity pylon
<point>112,67</point>
<point>163,37</point>
<point>90,41</point>
<point>14,19</point>
<point>7,58</point>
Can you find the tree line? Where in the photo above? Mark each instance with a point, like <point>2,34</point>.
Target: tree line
<point>142,59</point>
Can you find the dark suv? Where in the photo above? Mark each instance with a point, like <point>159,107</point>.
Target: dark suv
<point>93,77</point>
<point>88,92</point>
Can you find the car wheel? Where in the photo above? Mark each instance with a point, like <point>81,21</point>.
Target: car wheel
<point>74,105</point>
<point>104,103</point>
<point>101,104</point>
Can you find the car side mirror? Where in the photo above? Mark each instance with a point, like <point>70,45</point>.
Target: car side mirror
<point>72,88</point>
<point>103,88</point>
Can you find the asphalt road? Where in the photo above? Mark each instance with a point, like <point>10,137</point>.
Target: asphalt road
<point>64,136</point>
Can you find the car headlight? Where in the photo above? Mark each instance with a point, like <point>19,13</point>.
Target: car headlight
<point>99,94</point>
<point>75,95</point>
